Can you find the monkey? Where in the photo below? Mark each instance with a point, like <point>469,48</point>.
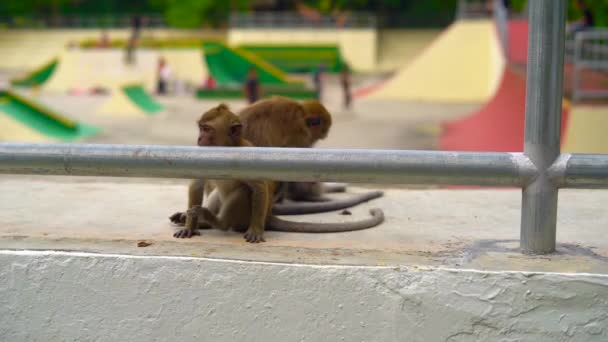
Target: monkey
<point>282,122</point>
<point>243,205</point>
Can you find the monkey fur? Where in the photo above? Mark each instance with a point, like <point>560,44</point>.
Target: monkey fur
<point>242,205</point>
<point>282,122</point>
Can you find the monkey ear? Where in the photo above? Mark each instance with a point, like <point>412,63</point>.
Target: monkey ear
<point>235,131</point>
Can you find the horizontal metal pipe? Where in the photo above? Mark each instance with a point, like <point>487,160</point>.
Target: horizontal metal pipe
<point>357,166</point>
<point>583,171</point>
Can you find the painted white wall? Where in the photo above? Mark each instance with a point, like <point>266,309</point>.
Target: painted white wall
<point>357,46</point>
<point>59,296</point>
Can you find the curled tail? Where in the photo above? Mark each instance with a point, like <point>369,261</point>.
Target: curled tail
<point>277,224</point>
<point>334,187</point>
<point>301,208</point>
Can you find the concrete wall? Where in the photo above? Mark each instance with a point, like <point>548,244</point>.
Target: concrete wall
<point>358,46</point>
<point>56,296</point>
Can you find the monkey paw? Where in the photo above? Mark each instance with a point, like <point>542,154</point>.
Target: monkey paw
<point>185,233</point>
<point>196,211</point>
<point>179,218</point>
<point>254,235</point>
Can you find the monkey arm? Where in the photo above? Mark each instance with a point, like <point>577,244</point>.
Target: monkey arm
<point>259,210</point>
<point>196,191</point>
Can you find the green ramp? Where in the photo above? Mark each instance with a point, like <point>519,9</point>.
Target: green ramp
<point>37,77</point>
<point>229,66</point>
<point>299,58</point>
<point>140,97</point>
<point>42,119</point>
<point>294,92</point>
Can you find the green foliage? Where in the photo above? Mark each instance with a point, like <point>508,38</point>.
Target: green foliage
<point>197,13</point>
<point>599,8</point>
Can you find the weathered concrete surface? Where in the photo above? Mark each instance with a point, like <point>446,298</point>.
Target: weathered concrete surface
<point>55,296</point>
<point>455,228</point>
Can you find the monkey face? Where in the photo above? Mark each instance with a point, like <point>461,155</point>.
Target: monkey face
<point>214,134</point>
<point>315,126</point>
<point>219,127</point>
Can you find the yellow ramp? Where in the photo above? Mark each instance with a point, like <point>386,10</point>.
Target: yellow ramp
<point>13,131</point>
<point>464,64</point>
<point>84,69</point>
<point>120,105</point>
<point>186,64</point>
<point>586,132</point>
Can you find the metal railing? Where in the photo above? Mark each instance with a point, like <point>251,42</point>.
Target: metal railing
<point>471,9</point>
<point>277,20</point>
<point>80,21</point>
<point>589,54</point>
<point>501,20</point>
<point>540,171</point>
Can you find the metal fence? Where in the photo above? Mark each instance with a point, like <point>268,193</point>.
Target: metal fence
<point>278,20</point>
<point>471,9</point>
<point>540,171</point>
<point>501,20</point>
<point>589,51</point>
<point>80,21</point>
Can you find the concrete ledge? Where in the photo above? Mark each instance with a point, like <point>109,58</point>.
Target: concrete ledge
<point>474,229</point>
<point>80,296</point>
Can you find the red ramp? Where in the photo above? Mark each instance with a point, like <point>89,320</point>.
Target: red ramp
<point>498,126</point>
<point>518,41</point>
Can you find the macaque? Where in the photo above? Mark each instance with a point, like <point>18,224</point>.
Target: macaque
<point>242,205</point>
<point>282,122</point>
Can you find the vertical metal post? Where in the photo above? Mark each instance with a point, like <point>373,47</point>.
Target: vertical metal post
<point>547,19</point>
<point>578,56</point>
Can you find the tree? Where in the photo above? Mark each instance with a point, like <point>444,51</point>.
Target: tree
<point>195,13</point>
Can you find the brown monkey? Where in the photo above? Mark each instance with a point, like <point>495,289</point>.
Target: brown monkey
<point>243,205</point>
<point>282,122</point>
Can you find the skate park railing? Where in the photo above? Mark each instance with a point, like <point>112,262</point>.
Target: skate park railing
<point>501,20</point>
<point>589,53</point>
<point>540,170</point>
<point>114,20</point>
<point>278,20</point>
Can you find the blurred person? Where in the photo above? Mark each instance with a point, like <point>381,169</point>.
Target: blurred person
<point>209,82</point>
<point>317,80</point>
<point>104,41</point>
<point>163,76</point>
<point>136,23</point>
<point>130,50</point>
<point>586,22</point>
<point>251,87</point>
<point>345,82</point>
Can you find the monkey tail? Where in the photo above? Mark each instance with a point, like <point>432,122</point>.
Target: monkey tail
<point>334,187</point>
<point>277,224</point>
<point>301,208</point>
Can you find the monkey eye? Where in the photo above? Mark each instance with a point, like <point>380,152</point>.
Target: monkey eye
<point>205,128</point>
<point>313,121</point>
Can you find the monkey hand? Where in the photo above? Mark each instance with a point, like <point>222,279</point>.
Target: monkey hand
<point>179,218</point>
<point>254,235</point>
<point>185,233</point>
<point>195,211</point>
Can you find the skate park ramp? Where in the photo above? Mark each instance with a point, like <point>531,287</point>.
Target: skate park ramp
<point>587,129</point>
<point>299,58</point>
<point>398,47</point>
<point>464,64</point>
<point>518,41</point>
<point>38,76</point>
<point>229,66</point>
<point>24,120</point>
<point>130,99</point>
<point>86,69</point>
<point>186,64</point>
<point>73,70</point>
<point>499,125</point>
